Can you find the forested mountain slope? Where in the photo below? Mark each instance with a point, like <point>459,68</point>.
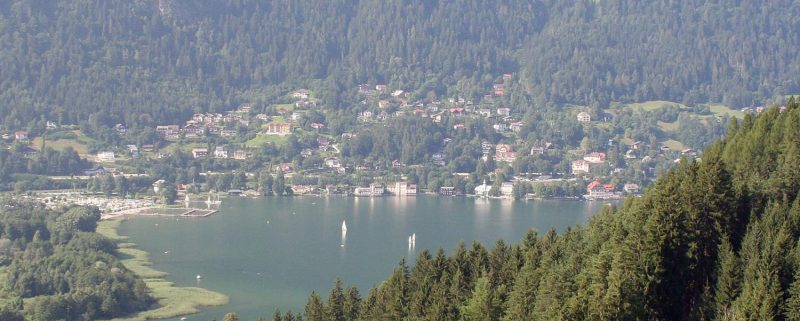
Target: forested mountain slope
<point>139,61</point>
<point>716,239</point>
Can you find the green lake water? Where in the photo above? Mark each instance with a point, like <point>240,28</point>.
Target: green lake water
<point>270,253</point>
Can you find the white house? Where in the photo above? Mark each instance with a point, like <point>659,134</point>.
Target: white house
<point>106,156</point>
<point>220,152</point>
<point>595,158</point>
<point>580,167</point>
<point>506,189</point>
<point>584,117</point>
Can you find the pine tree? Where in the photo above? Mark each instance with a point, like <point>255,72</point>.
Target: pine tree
<point>315,309</point>
<point>728,280</point>
<point>483,305</point>
<point>792,308</point>
<point>334,310</point>
<point>352,303</point>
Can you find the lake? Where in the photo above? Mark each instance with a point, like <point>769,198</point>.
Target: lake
<point>269,253</point>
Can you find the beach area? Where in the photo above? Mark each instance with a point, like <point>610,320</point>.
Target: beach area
<point>173,301</point>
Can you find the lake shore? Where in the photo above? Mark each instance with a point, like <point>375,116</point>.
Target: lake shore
<point>173,301</point>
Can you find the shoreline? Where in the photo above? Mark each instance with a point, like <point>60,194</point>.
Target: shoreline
<point>173,301</point>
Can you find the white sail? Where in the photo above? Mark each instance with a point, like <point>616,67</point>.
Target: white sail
<point>414,239</point>
<point>344,227</point>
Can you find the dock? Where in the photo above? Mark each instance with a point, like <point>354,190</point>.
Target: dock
<point>161,211</point>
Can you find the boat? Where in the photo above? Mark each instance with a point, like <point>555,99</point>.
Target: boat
<point>199,276</point>
<point>414,239</point>
<point>344,227</point>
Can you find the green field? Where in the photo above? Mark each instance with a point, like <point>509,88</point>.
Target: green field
<point>720,110</point>
<point>172,301</point>
<point>674,145</point>
<point>653,105</point>
<point>79,144</point>
<point>186,148</point>
<point>668,127</point>
<point>263,139</point>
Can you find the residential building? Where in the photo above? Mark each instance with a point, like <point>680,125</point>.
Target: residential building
<point>438,159</point>
<point>300,94</point>
<point>199,152</point>
<point>240,154</point>
<point>106,156</point>
<point>504,153</point>
<point>362,191</point>
<point>286,167</point>
<point>580,167</point>
<point>279,129</point>
<point>332,162</point>
<point>21,135</point>
<point>168,131</point>
<point>402,189</point>
<point>539,149</point>
<point>631,188</point>
<point>29,152</point>
<point>220,152</point>
<point>584,117</point>
<point>595,157</point>
<point>506,189</point>
<point>193,130</point>
<point>377,189</point>
<point>229,133</point>
<point>597,190</point>
<point>500,127</point>
<point>447,191</point>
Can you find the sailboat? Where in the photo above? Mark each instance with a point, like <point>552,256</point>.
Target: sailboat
<point>344,233</point>
<point>414,239</point>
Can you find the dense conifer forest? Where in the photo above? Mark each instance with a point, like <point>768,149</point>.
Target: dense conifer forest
<point>139,62</point>
<point>714,239</point>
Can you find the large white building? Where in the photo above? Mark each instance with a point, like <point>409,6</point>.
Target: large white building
<point>402,189</point>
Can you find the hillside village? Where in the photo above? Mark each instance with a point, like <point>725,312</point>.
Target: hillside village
<point>514,163</point>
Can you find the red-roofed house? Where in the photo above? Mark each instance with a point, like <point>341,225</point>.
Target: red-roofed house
<point>595,158</point>
<point>21,135</point>
<point>504,153</point>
